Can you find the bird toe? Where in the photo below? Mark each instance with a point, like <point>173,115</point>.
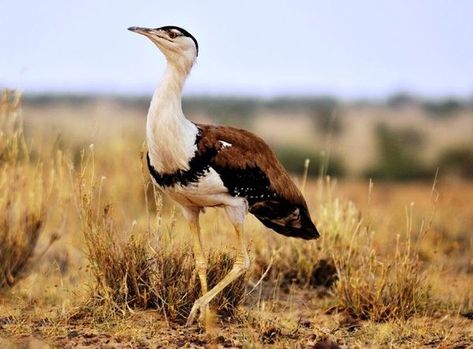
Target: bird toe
<point>193,313</point>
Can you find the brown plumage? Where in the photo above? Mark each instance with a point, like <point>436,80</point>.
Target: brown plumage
<point>249,168</point>
<point>248,150</point>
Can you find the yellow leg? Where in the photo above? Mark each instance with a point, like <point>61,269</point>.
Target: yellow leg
<point>242,263</point>
<point>200,259</point>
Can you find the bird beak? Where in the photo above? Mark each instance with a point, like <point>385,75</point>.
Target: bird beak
<point>141,30</point>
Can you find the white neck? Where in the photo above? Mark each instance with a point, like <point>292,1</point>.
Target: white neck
<point>170,136</point>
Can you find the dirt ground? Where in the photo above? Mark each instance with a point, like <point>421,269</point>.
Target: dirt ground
<point>296,321</point>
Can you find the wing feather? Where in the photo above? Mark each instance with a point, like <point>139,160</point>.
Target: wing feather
<point>250,169</point>
<point>248,151</point>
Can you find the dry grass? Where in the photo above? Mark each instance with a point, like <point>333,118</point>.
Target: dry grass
<point>23,200</point>
<point>368,284</point>
<point>378,277</point>
<point>371,287</point>
<point>146,270</point>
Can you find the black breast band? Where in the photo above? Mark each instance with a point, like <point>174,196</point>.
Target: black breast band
<point>199,165</point>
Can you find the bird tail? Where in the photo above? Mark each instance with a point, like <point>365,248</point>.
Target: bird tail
<point>285,219</point>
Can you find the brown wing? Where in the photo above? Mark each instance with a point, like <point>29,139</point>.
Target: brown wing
<point>250,169</point>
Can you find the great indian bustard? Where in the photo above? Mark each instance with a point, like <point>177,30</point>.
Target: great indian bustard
<point>214,166</point>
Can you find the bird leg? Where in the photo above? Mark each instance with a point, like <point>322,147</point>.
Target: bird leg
<point>199,256</point>
<point>242,263</point>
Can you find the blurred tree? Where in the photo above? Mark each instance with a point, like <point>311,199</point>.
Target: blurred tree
<point>293,159</point>
<point>222,107</point>
<point>401,99</point>
<point>397,158</point>
<point>457,161</point>
<point>444,108</point>
<point>328,119</point>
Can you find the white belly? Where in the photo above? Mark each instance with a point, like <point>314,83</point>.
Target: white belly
<point>209,191</point>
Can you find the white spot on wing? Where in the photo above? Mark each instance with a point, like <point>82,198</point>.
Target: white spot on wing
<point>225,144</point>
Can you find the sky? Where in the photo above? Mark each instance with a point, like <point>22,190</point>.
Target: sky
<point>351,49</point>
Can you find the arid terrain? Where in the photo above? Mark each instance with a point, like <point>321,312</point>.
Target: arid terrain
<point>92,256</point>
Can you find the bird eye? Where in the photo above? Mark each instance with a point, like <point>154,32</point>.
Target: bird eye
<point>172,35</point>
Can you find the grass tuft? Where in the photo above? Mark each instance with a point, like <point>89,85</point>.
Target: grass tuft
<point>382,289</point>
<point>367,284</point>
<point>381,286</point>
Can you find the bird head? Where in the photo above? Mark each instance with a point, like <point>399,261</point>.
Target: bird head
<point>177,44</point>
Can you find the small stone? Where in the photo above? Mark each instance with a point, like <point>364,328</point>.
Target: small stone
<point>73,334</point>
<point>305,323</point>
<point>326,344</point>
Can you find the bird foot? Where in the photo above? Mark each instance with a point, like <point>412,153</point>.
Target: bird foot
<point>204,313</point>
